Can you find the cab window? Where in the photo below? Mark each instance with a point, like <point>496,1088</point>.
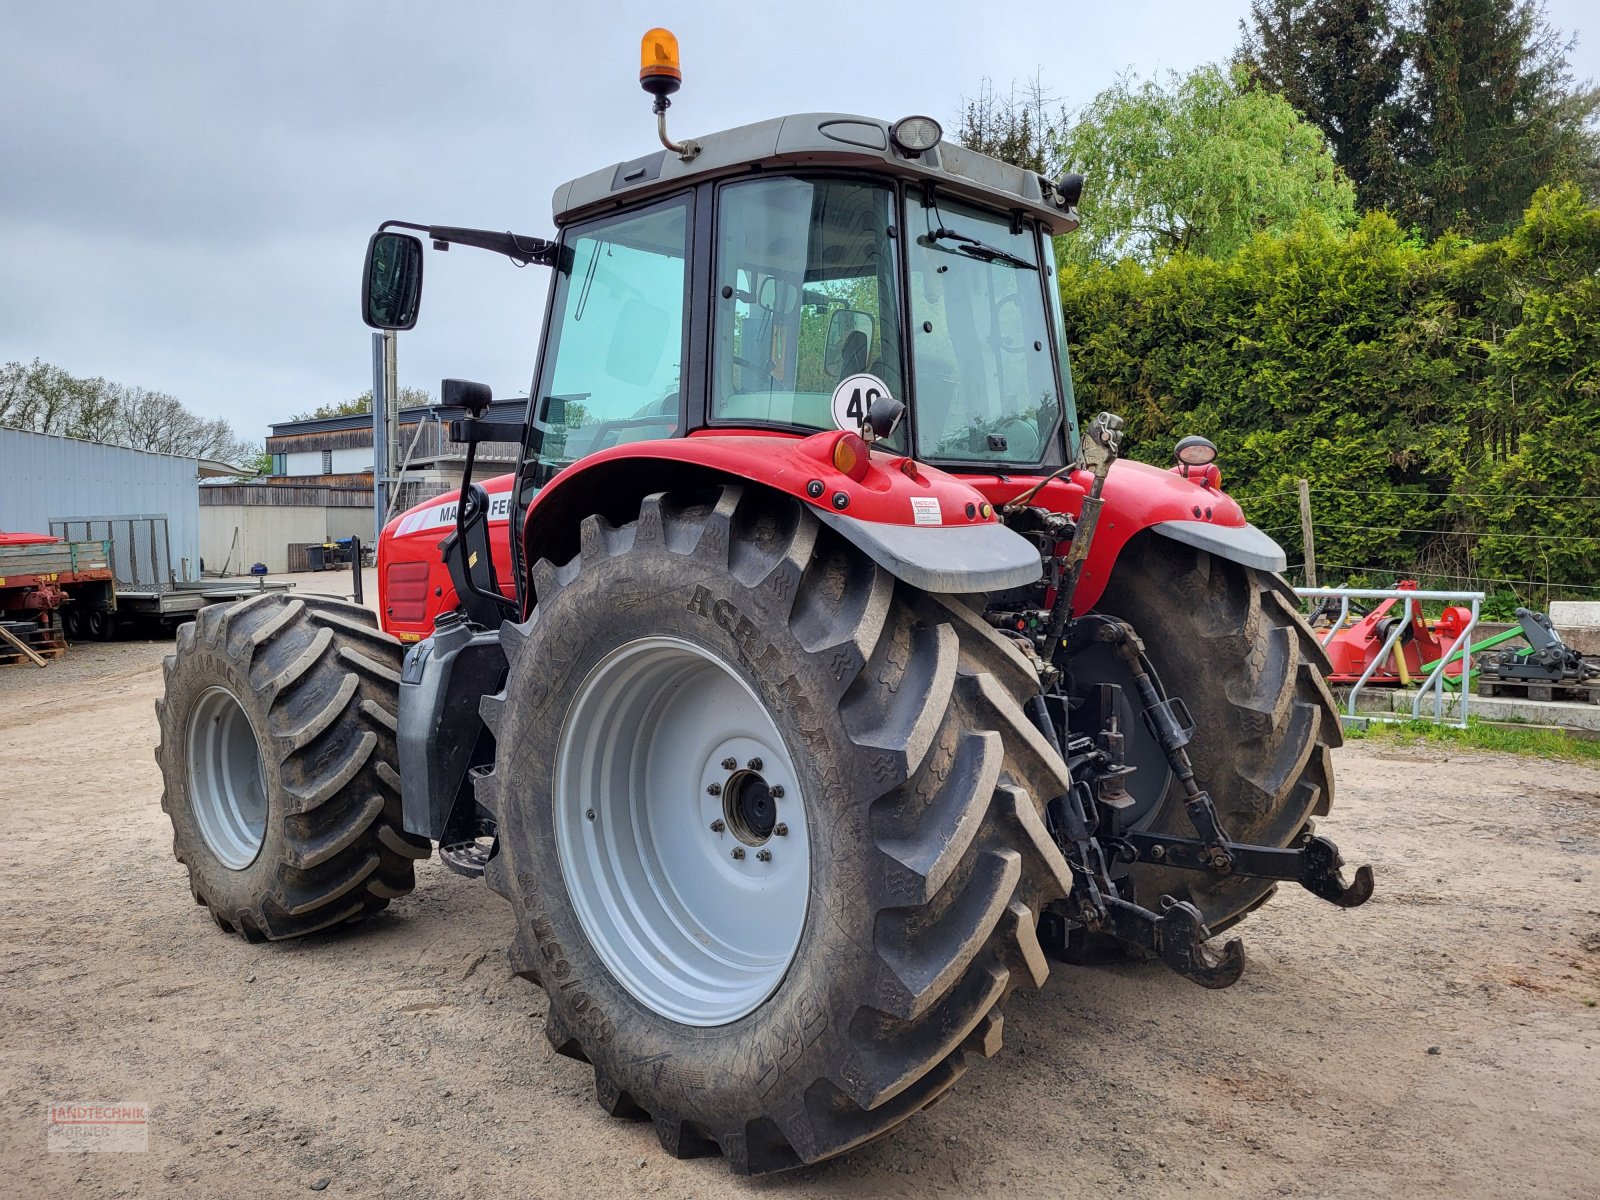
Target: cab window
<point>613,372</point>
<point>805,299</point>
<point>985,376</point>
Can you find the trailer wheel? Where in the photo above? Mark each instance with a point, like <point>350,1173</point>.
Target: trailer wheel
<point>770,825</point>
<point>100,624</point>
<point>1230,640</point>
<point>277,750</point>
<point>71,623</point>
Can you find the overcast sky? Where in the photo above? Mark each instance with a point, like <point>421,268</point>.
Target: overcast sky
<point>186,189</point>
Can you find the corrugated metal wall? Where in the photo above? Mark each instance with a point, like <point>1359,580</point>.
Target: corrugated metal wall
<point>43,478</point>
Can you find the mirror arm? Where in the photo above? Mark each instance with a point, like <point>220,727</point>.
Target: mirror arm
<point>519,248</point>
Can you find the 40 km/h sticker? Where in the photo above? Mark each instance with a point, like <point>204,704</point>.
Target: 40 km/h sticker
<point>852,398</point>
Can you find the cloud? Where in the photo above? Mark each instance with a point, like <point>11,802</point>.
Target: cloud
<point>188,187</point>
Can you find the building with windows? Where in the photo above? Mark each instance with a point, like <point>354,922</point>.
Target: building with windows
<point>320,486</point>
<point>337,451</point>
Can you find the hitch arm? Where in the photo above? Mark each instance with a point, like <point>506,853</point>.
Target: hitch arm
<point>1178,935</point>
<point>1315,865</point>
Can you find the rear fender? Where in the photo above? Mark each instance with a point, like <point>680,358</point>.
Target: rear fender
<point>922,525</point>
<point>1139,497</point>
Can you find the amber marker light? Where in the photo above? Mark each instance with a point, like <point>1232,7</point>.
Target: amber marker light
<point>850,456</point>
<point>659,70</point>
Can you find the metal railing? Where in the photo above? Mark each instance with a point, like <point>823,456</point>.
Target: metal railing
<point>1435,681</point>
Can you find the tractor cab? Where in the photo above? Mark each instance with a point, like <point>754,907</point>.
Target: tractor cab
<point>781,277</point>
<point>793,271</point>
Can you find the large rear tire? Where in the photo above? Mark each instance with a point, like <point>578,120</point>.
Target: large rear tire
<point>727,648</point>
<point>1231,642</point>
<point>277,750</point>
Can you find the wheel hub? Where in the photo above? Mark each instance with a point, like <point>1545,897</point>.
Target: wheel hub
<point>751,811</point>
<point>227,784</point>
<point>681,831</point>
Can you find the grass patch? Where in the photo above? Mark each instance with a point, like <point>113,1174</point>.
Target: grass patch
<point>1537,743</point>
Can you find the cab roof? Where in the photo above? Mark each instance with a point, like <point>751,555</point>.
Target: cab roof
<point>816,139</point>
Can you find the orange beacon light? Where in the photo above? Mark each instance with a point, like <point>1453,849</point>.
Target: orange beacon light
<point>659,73</point>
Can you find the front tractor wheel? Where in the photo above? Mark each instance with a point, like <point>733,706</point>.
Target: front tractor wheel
<point>1230,641</point>
<point>770,824</point>
<point>277,751</point>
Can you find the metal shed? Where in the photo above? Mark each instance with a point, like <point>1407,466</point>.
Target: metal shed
<point>45,478</point>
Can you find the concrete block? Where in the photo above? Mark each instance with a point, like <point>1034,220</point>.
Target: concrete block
<point>1578,623</point>
<point>1585,717</point>
<point>1577,613</point>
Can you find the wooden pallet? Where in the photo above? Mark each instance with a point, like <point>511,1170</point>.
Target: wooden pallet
<point>1525,689</point>
<point>46,643</point>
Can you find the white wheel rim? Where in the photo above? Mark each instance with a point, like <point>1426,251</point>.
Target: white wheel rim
<point>699,923</point>
<point>227,785</point>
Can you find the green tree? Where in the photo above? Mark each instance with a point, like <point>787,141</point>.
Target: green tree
<point>1442,398</point>
<point>410,397</point>
<point>1499,113</point>
<point>1199,164</point>
<point>1341,63</point>
<point>1025,127</point>
<point>44,398</point>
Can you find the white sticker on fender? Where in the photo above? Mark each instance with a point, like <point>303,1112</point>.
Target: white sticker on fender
<point>853,396</point>
<point>439,515</point>
<point>925,510</point>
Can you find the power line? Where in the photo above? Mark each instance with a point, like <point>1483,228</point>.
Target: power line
<point>1533,583</point>
<point>1403,495</point>
<point>1530,537</point>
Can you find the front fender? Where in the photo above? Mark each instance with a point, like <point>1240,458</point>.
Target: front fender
<point>1140,497</point>
<point>929,528</point>
<point>1241,544</point>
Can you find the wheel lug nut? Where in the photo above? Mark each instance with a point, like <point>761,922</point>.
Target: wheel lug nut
<point>717,826</point>
<point>754,764</point>
<point>729,763</point>
<point>713,789</point>
<point>738,852</point>
<point>764,855</point>
<point>780,830</point>
<point>776,791</point>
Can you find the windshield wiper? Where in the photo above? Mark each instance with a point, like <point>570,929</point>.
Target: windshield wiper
<point>981,250</point>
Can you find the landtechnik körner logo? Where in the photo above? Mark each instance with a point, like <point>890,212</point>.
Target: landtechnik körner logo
<point>81,1127</point>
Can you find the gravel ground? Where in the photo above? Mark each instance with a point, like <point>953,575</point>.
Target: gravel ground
<point>1442,1041</point>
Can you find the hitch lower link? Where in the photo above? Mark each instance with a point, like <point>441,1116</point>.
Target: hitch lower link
<point>1177,934</point>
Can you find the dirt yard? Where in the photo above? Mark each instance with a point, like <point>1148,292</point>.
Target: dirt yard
<point>1442,1041</point>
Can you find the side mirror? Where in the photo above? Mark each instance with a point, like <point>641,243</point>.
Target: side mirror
<point>778,296</point>
<point>391,286</point>
<point>841,326</point>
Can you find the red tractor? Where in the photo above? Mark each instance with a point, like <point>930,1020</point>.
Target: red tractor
<point>814,680</point>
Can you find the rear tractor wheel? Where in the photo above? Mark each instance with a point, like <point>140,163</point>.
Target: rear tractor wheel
<point>277,750</point>
<point>770,824</point>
